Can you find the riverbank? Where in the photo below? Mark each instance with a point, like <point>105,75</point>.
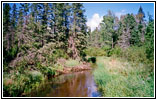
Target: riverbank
<point>116,77</point>
<point>78,84</point>
<point>22,83</point>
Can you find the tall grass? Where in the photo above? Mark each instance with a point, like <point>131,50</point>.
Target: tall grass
<point>119,78</point>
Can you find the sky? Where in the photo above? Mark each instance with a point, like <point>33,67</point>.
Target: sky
<point>96,11</point>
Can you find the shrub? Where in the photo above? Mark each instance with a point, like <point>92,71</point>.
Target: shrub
<point>35,76</point>
<point>92,51</point>
<point>17,86</point>
<point>116,78</point>
<point>92,59</point>
<point>72,63</point>
<point>135,54</point>
<point>117,51</point>
<point>58,53</point>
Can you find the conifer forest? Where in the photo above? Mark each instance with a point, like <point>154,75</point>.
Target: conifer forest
<point>50,51</point>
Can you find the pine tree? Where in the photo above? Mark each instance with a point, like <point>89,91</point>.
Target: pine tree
<point>141,23</point>
<point>6,26</point>
<point>34,12</point>
<point>13,24</point>
<point>77,39</point>
<point>140,15</point>
<point>128,26</point>
<point>6,18</point>
<point>14,16</point>
<point>43,18</point>
<point>150,40</point>
<point>109,33</point>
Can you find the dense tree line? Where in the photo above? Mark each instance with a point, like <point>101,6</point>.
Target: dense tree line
<point>29,26</point>
<point>35,24</point>
<point>129,30</point>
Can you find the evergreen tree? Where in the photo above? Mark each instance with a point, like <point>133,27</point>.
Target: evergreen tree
<point>141,23</point>
<point>77,41</point>
<point>14,16</point>
<point>6,26</point>
<point>140,15</point>
<point>43,18</point>
<point>108,33</point>
<point>128,26</point>
<point>150,40</point>
<point>6,18</point>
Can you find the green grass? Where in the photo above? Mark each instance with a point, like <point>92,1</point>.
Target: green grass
<point>119,78</point>
<point>72,63</point>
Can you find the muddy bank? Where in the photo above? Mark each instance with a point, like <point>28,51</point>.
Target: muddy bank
<point>67,70</point>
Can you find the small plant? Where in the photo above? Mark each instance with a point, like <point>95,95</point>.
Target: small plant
<point>35,76</point>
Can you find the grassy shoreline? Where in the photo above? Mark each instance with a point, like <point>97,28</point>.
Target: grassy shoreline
<point>117,77</point>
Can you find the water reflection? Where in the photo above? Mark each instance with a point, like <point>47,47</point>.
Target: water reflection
<point>80,84</point>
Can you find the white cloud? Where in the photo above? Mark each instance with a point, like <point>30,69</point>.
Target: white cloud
<point>122,12</point>
<point>94,21</point>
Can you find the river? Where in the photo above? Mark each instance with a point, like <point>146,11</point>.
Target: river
<point>79,84</point>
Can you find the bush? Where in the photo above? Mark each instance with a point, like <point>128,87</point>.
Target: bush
<point>72,63</point>
<point>117,51</point>
<point>15,87</point>
<point>10,54</point>
<point>58,53</point>
<point>135,54</point>
<point>35,76</point>
<point>92,51</point>
<point>92,59</point>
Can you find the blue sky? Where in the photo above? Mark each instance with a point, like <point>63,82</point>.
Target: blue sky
<point>95,11</point>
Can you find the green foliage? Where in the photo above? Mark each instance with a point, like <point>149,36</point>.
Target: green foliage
<point>35,76</point>
<point>6,18</point>
<point>72,63</point>
<point>117,51</point>
<point>10,54</point>
<point>91,51</point>
<point>122,79</point>
<point>135,54</point>
<point>135,38</point>
<point>58,53</point>
<point>92,59</point>
<point>21,66</point>
<point>19,84</point>
<point>36,45</point>
<point>150,41</point>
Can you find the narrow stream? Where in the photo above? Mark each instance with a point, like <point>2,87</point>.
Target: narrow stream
<point>79,84</point>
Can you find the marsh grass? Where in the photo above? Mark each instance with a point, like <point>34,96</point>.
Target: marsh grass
<point>119,78</point>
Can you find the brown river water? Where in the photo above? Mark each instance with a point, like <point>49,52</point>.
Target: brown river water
<point>79,84</point>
